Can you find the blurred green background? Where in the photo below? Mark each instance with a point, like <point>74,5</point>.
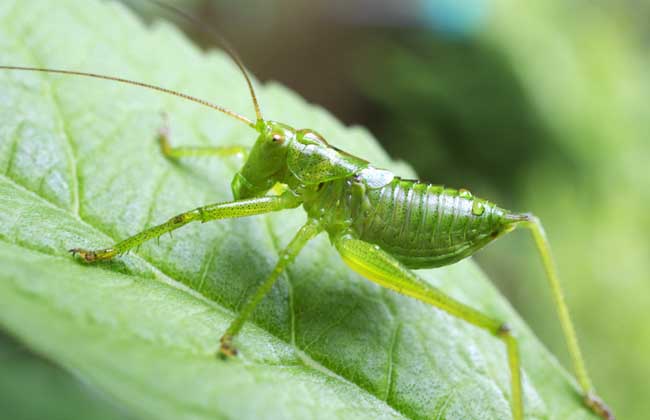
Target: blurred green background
<point>540,106</point>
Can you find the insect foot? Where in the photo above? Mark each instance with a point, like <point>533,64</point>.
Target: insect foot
<point>163,136</point>
<point>92,256</point>
<point>227,349</point>
<point>599,407</point>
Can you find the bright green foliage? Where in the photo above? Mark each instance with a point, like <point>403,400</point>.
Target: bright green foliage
<point>80,167</point>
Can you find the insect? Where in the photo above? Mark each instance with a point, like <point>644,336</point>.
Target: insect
<point>383,226</point>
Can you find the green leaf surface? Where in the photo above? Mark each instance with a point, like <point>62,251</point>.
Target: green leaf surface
<point>79,167</point>
<point>60,396</point>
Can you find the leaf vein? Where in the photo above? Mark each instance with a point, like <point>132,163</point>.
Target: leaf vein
<point>68,145</point>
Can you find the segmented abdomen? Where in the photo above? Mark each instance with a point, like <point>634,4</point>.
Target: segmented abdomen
<point>427,225</point>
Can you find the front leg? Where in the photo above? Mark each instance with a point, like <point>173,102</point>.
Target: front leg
<point>227,210</point>
<point>189,151</point>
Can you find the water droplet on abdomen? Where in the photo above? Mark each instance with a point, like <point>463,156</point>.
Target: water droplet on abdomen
<point>478,208</point>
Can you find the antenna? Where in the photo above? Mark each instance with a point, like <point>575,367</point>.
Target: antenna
<point>140,84</point>
<point>221,40</point>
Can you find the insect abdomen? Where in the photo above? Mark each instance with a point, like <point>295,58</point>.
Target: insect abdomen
<point>427,225</point>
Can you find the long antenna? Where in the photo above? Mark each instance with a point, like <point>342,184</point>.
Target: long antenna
<point>141,84</point>
<point>221,40</point>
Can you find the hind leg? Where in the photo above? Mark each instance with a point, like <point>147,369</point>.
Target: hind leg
<point>383,269</point>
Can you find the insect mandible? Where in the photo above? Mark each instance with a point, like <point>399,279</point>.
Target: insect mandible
<point>358,206</point>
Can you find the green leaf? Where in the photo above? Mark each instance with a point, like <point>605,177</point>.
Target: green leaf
<point>60,396</point>
<point>80,167</point>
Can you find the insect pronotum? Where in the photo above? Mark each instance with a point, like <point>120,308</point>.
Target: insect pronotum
<point>355,204</point>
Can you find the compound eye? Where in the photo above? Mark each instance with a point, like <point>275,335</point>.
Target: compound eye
<point>278,138</point>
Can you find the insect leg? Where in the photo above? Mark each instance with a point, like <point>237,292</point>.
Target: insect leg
<point>591,399</point>
<point>383,269</point>
<point>308,231</point>
<point>226,210</point>
<point>189,151</point>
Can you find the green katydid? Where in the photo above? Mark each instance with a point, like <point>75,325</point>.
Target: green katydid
<point>383,226</point>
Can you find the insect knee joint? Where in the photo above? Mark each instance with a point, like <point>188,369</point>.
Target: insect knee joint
<point>180,220</point>
<point>504,330</point>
